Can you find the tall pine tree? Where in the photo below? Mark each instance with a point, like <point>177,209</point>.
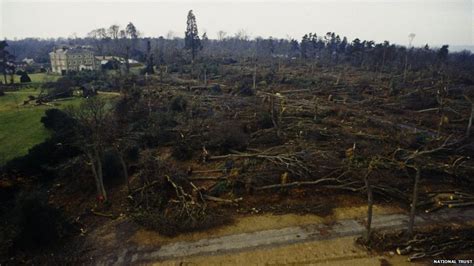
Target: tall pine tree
<point>191,39</point>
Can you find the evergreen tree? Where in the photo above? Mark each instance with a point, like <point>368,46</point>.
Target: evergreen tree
<point>205,41</point>
<point>443,52</point>
<point>305,43</point>
<point>6,62</point>
<point>191,39</point>
<point>294,48</point>
<point>24,77</point>
<point>131,31</point>
<point>149,61</point>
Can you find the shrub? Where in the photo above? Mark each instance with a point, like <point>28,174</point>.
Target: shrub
<point>228,136</point>
<point>112,168</point>
<point>57,120</point>
<point>38,224</point>
<point>156,129</point>
<point>7,235</point>
<point>182,151</point>
<point>25,78</point>
<point>246,91</point>
<point>179,104</point>
<point>265,120</point>
<point>173,221</point>
<point>216,89</point>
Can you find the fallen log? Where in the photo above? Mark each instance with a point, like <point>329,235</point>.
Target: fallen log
<point>208,178</point>
<point>296,184</point>
<point>216,199</point>
<point>108,215</point>
<point>464,204</point>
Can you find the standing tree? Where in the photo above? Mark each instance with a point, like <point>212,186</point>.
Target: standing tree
<point>149,59</point>
<point>4,59</point>
<point>221,35</point>
<point>98,36</point>
<point>6,62</point>
<point>114,31</point>
<point>294,48</point>
<point>205,42</point>
<point>91,137</point>
<point>122,140</point>
<point>132,34</point>
<point>191,36</point>
<point>24,77</point>
<point>443,55</point>
<point>370,199</point>
<point>414,160</point>
<point>131,31</point>
<point>305,46</point>
<point>411,36</point>
<point>471,117</point>
<point>385,45</point>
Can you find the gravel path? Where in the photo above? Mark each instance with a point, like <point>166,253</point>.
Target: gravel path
<point>278,237</point>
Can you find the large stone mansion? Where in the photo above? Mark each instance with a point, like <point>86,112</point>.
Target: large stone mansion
<point>65,59</point>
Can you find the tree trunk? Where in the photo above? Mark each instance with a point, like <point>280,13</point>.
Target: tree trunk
<point>193,51</point>
<point>127,64</point>
<point>100,174</point>
<point>370,203</point>
<point>411,222</point>
<point>383,64</point>
<point>469,124</point>
<point>94,172</point>
<point>124,170</point>
<point>273,114</point>
<point>441,119</point>
<point>255,77</point>
<point>161,74</point>
<point>406,66</point>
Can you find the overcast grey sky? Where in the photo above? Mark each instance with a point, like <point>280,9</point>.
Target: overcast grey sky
<point>433,21</point>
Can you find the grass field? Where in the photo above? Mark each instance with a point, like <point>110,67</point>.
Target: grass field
<point>20,126</point>
<point>38,78</point>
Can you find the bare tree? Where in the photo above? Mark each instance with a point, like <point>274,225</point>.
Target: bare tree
<point>441,99</point>
<point>221,35</point>
<point>469,124</point>
<point>121,140</point>
<point>98,36</point>
<point>170,35</point>
<point>414,202</point>
<point>114,31</point>
<point>91,138</point>
<point>411,36</point>
<point>242,35</point>
<point>370,201</point>
<point>412,161</point>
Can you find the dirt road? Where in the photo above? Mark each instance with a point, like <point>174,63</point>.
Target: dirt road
<point>343,230</point>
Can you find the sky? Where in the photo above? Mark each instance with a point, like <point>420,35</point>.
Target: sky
<point>434,22</point>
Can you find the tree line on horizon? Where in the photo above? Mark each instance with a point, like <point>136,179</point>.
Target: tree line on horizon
<point>328,49</point>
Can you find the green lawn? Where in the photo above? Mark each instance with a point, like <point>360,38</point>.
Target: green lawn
<point>20,126</point>
<point>38,78</point>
